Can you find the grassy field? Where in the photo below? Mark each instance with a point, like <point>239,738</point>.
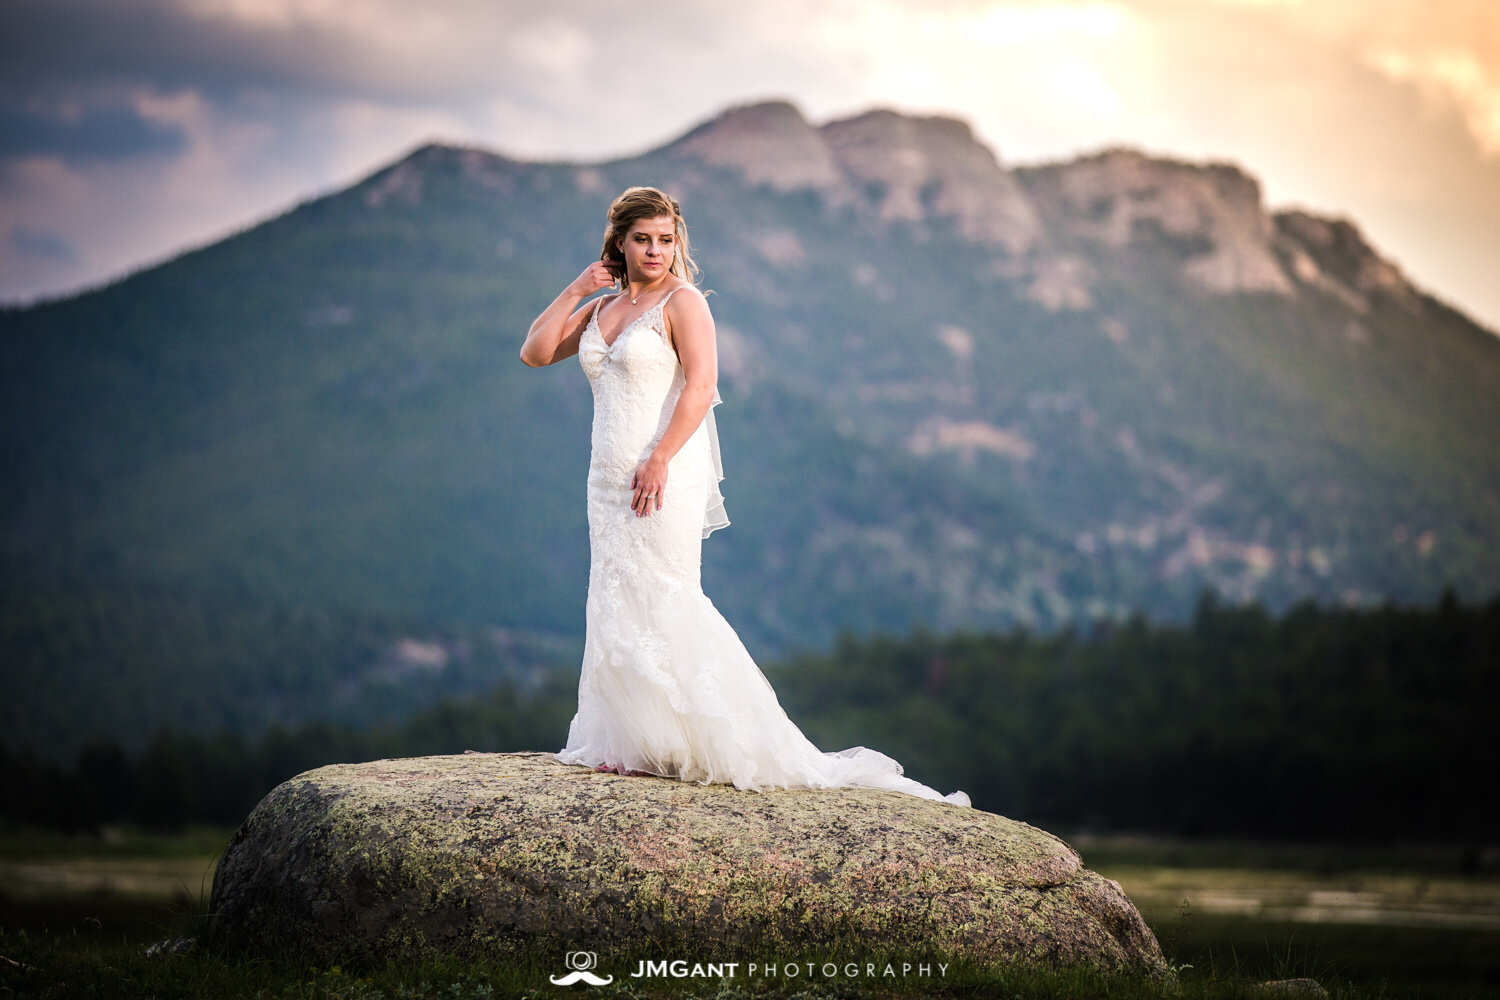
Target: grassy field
<point>1418,922</point>
<point>77,917</point>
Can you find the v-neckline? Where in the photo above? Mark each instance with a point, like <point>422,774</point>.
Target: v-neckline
<point>609,344</point>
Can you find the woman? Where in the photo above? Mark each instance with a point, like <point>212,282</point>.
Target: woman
<point>667,687</point>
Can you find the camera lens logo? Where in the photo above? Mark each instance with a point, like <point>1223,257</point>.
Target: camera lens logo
<point>581,962</point>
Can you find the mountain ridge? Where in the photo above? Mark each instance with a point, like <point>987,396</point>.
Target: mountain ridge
<point>1157,386</point>
<point>772,143</point>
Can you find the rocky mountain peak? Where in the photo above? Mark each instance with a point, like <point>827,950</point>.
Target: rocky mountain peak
<point>768,143</point>
<point>406,179</point>
<point>1211,213</point>
<point>1333,255</point>
<point>912,168</point>
<point>900,167</point>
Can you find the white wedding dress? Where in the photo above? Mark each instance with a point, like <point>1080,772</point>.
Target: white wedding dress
<point>667,686</point>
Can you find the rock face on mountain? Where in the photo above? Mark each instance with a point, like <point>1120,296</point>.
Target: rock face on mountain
<point>1332,255</point>
<point>517,853</point>
<point>915,170</point>
<point>919,168</point>
<point>769,144</point>
<point>1212,214</point>
<point>896,167</point>
<point>1047,221</point>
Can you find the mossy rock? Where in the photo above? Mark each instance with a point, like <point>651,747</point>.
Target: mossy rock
<point>519,854</point>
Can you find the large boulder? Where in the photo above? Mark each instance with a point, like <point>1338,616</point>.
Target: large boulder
<point>516,853</point>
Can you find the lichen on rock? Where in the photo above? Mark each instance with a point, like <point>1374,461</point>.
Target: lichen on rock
<point>517,853</point>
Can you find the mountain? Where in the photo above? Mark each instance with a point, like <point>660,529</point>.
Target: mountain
<point>958,394</point>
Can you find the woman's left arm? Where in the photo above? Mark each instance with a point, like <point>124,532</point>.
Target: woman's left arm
<point>692,330</point>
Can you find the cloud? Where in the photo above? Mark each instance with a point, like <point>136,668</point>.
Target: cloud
<point>1035,76</point>
<point>28,242</point>
<point>1449,50</point>
<point>1453,77</point>
<point>107,129</point>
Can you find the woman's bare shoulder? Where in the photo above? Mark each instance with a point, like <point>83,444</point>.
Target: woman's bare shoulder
<point>696,293</point>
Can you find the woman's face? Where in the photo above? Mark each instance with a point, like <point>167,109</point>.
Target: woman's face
<point>649,248</point>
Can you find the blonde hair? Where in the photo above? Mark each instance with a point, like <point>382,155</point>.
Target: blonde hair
<point>635,204</point>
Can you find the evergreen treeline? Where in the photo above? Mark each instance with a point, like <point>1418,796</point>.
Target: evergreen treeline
<point>1367,724</point>
<point>1370,724</point>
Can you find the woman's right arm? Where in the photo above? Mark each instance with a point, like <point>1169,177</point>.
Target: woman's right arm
<point>554,334</point>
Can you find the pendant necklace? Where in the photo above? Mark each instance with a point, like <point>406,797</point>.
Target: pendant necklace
<point>637,297</point>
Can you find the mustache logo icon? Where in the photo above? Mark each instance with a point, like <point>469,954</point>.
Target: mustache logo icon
<point>581,962</point>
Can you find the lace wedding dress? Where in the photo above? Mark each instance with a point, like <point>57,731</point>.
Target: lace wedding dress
<point>667,686</point>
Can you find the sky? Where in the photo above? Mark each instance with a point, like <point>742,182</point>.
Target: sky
<point>131,130</point>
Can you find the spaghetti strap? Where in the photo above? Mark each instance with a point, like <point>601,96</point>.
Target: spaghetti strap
<point>661,310</point>
<point>595,317</point>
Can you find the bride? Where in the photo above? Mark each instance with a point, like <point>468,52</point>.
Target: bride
<point>667,687</point>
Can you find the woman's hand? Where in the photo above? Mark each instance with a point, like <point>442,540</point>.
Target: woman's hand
<point>649,482</point>
<point>554,335</point>
<point>594,277</point>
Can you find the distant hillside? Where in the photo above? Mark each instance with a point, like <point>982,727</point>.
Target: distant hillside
<point>956,394</point>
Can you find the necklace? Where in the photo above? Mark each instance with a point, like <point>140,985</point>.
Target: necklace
<point>636,298</point>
